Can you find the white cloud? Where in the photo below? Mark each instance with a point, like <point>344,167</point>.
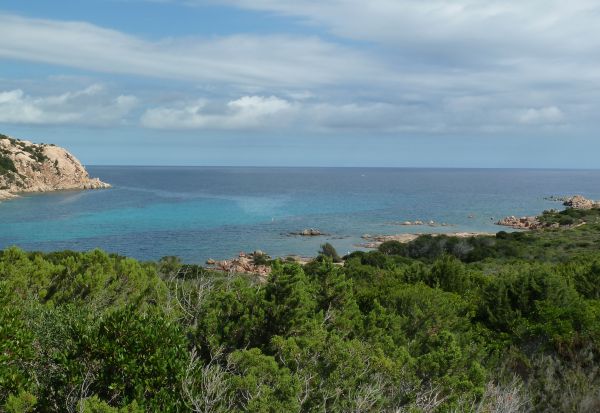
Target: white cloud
<point>502,27</point>
<point>546,115</point>
<point>466,66</point>
<point>246,60</point>
<point>471,65</point>
<point>247,112</point>
<point>90,106</point>
<point>269,113</point>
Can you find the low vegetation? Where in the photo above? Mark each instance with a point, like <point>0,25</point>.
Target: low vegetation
<point>509,323</point>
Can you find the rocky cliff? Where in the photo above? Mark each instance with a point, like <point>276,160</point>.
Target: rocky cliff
<point>30,167</point>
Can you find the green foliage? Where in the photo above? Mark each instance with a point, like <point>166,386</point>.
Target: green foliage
<point>232,316</point>
<point>262,385</point>
<point>95,405</point>
<point>260,259</point>
<point>24,402</point>
<point>169,266</point>
<point>327,250</point>
<point>16,348</point>
<point>449,274</point>
<point>289,299</point>
<point>393,248</point>
<point>142,358</point>
<point>456,323</point>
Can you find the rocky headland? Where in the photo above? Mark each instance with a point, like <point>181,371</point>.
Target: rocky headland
<point>31,167</point>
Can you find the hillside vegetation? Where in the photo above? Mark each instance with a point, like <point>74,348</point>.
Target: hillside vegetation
<point>509,323</point>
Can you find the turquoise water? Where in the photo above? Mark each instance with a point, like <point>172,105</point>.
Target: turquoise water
<point>201,212</point>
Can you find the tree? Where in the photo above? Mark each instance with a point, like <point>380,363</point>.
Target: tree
<point>327,250</point>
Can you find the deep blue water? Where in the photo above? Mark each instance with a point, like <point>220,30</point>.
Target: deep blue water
<point>202,212</point>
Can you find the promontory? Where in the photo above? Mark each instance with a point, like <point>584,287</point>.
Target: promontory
<point>31,167</point>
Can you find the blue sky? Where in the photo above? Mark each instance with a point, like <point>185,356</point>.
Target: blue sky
<point>467,83</point>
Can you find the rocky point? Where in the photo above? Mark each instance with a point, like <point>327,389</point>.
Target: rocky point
<point>32,167</point>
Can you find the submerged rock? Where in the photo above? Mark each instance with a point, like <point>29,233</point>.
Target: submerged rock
<point>308,232</point>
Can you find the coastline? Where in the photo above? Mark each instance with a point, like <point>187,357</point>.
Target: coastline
<point>201,213</point>
<point>374,241</point>
<point>6,195</point>
<point>546,220</point>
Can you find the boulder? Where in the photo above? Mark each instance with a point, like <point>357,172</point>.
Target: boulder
<point>580,202</point>
<point>520,223</point>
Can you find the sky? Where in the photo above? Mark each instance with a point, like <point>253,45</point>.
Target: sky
<point>406,83</point>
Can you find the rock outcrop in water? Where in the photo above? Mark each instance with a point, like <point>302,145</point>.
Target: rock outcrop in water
<point>31,167</point>
<point>308,232</point>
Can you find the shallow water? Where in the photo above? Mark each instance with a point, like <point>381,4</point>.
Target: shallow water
<point>202,212</point>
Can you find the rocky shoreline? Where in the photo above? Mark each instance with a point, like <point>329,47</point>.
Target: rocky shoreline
<point>535,222</point>
<point>422,223</point>
<point>31,167</point>
<point>521,222</point>
<point>257,263</point>
<point>374,241</point>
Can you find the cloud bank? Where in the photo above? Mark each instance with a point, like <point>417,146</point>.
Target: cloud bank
<point>89,106</point>
<point>387,66</point>
<point>247,112</point>
<point>250,60</point>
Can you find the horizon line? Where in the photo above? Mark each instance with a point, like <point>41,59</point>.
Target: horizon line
<point>343,167</point>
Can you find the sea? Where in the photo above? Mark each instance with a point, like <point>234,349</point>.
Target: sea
<point>198,213</point>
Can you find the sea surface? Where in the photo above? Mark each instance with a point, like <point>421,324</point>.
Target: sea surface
<point>215,212</point>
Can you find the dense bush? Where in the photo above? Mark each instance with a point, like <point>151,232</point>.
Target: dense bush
<point>327,250</point>
<point>503,323</point>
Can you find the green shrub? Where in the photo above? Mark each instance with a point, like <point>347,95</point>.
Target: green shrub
<point>327,250</point>
<point>24,402</point>
<point>95,405</point>
<point>393,248</point>
<point>141,356</point>
<point>566,220</point>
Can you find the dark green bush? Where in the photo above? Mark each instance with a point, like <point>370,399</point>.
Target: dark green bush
<point>327,250</point>
<point>393,248</point>
<point>459,317</point>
